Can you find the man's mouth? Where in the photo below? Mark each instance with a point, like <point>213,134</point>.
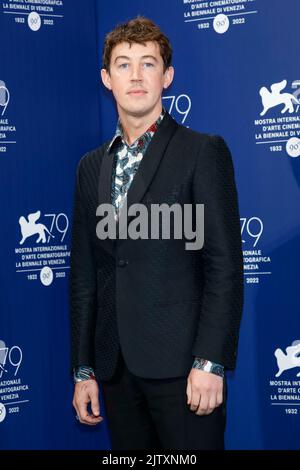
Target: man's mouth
<point>137,92</point>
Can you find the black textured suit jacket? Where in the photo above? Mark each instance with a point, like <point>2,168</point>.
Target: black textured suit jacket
<point>162,304</point>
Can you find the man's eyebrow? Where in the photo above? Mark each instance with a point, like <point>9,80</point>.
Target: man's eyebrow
<point>149,57</point>
<point>128,58</point>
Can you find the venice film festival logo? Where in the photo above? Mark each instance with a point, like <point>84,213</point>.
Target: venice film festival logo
<point>288,360</point>
<point>30,227</point>
<point>12,388</point>
<point>284,128</point>
<point>38,255</point>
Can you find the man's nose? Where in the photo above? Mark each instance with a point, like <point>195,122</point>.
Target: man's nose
<point>136,72</point>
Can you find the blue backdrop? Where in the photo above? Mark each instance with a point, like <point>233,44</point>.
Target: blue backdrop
<point>235,75</point>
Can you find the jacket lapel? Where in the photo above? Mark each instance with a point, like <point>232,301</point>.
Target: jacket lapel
<point>146,170</point>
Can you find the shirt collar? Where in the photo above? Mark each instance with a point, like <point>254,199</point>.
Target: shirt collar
<point>120,135</point>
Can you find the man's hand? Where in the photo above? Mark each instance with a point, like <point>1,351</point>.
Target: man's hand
<point>204,391</point>
<point>85,392</point>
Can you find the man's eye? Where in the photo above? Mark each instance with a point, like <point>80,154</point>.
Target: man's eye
<point>123,66</point>
<point>148,64</point>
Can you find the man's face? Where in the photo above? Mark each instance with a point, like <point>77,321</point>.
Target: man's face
<point>137,77</point>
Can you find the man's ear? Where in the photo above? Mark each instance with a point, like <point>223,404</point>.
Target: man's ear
<point>105,78</point>
<point>168,76</point>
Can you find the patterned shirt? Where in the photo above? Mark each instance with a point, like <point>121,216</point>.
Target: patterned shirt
<point>126,162</point>
<point>127,159</point>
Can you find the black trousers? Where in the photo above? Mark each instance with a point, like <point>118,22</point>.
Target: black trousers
<point>154,414</point>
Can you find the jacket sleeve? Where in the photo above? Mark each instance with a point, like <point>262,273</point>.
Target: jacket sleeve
<point>82,286</point>
<point>217,332</point>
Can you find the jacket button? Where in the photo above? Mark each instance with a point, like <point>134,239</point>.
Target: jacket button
<point>122,263</point>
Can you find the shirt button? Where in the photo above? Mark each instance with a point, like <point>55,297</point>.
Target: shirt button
<point>122,263</point>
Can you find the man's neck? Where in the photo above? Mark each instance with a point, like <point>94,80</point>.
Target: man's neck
<point>135,126</point>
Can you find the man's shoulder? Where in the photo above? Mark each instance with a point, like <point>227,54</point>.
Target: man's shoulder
<point>198,138</point>
<point>93,157</point>
<point>90,162</point>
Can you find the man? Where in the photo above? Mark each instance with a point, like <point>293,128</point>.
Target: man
<point>153,323</point>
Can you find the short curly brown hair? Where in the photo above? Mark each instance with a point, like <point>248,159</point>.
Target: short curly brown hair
<point>137,30</point>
